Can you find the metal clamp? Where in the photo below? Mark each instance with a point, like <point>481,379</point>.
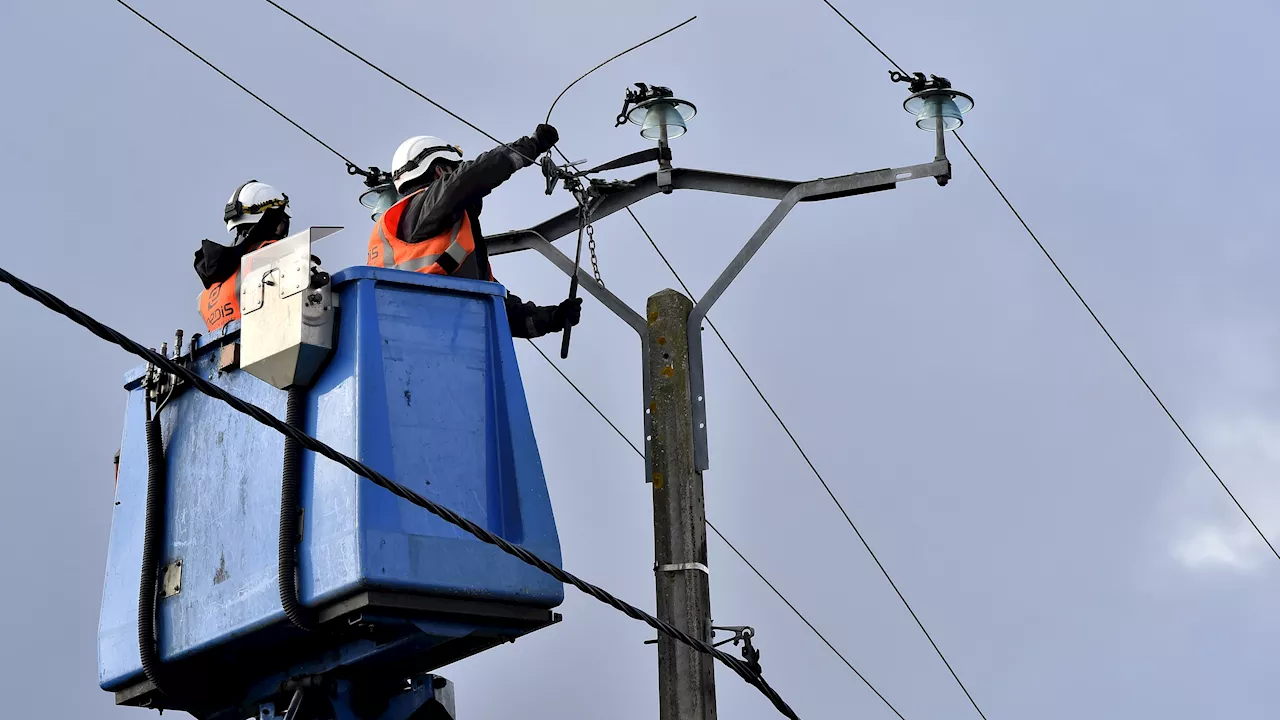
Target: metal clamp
<point>643,93</point>
<point>743,634</point>
<point>918,81</point>
<point>160,386</point>
<point>680,567</point>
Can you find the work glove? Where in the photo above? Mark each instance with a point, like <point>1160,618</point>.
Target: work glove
<point>545,136</point>
<point>567,314</point>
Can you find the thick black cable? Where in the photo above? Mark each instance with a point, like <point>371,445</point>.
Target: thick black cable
<point>398,81</point>
<point>615,57</point>
<point>864,37</point>
<point>152,550</point>
<point>262,416</point>
<point>825,486</point>
<point>1119,349</point>
<point>233,81</point>
<point>732,547</point>
<point>291,516</point>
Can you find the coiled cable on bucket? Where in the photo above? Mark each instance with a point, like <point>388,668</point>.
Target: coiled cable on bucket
<point>290,514</point>
<point>152,536</point>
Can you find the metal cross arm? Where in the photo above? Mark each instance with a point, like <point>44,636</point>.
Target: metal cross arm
<point>821,189</point>
<point>788,193</point>
<point>642,187</point>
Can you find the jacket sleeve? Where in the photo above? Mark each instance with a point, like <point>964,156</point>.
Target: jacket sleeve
<point>446,198</point>
<point>529,320</point>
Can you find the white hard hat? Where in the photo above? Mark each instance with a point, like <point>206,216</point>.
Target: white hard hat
<point>249,201</point>
<point>414,157</point>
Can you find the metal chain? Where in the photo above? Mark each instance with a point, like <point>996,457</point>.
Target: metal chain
<point>587,201</point>
<point>591,246</point>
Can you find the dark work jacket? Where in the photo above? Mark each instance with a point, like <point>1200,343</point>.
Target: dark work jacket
<point>435,210</point>
<point>215,263</point>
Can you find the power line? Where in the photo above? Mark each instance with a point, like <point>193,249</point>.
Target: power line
<point>480,533</point>
<point>840,506</point>
<point>1119,349</point>
<point>615,57</point>
<point>574,385</point>
<point>1100,324</point>
<point>732,547</point>
<point>1186,436</point>
<point>233,81</point>
<point>821,637</point>
<point>397,80</point>
<point>864,37</point>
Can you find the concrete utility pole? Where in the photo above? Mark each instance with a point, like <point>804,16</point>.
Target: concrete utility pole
<point>686,677</point>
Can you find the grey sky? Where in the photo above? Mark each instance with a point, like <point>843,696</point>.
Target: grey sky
<point>1060,540</point>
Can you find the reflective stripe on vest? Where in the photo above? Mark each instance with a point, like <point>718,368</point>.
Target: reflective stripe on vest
<point>439,255</point>
<point>449,260</point>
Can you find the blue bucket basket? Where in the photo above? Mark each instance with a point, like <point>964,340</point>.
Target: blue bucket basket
<point>423,386</point>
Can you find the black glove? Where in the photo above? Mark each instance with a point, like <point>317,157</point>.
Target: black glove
<point>567,314</point>
<point>545,136</point>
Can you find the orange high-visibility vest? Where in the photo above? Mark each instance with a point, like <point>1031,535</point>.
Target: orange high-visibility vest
<point>440,255</point>
<point>220,302</point>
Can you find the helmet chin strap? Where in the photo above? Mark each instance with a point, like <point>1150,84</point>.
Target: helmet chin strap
<point>250,232</point>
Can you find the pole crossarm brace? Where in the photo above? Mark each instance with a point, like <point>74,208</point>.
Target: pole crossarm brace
<point>534,240</point>
<point>642,187</point>
<point>821,189</point>
<point>788,193</point>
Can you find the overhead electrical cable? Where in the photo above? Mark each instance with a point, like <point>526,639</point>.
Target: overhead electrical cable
<point>577,389</point>
<point>1119,349</point>
<point>864,37</point>
<point>804,619</point>
<point>235,82</point>
<point>731,546</point>
<point>206,387</point>
<point>397,80</point>
<point>615,57</point>
<point>1062,273</point>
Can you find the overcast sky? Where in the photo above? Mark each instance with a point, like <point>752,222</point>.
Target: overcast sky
<point>1064,545</point>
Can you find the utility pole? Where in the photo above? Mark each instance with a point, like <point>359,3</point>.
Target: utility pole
<point>676,445</point>
<point>686,677</point>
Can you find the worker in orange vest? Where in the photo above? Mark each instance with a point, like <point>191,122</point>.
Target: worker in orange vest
<point>257,214</point>
<point>435,227</point>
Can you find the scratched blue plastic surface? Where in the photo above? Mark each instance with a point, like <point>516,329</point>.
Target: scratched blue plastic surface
<point>423,386</point>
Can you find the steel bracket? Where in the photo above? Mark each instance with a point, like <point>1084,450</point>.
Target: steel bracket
<point>821,189</point>
<point>788,193</point>
<point>171,579</point>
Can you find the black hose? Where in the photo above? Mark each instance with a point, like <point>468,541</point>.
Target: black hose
<point>290,507</point>
<point>152,538</point>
